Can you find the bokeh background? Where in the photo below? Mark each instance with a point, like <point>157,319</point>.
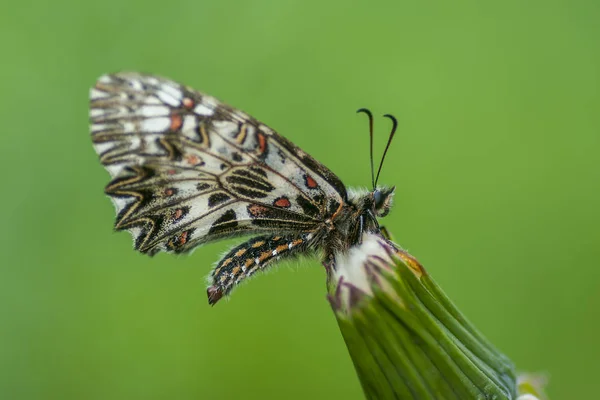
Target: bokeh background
<point>496,163</point>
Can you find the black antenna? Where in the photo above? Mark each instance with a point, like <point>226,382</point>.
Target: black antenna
<point>364,110</point>
<point>395,122</point>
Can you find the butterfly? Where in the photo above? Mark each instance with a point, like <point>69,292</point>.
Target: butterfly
<point>188,169</point>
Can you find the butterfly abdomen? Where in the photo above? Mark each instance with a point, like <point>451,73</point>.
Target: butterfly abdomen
<point>254,255</point>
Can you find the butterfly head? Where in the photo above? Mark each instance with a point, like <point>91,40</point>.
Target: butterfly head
<point>382,200</point>
<point>372,204</point>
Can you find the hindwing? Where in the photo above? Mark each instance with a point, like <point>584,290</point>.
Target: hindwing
<point>187,169</point>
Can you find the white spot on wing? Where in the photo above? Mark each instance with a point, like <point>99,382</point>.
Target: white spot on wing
<point>155,124</point>
<point>210,102</point>
<point>167,98</point>
<point>201,109</point>
<point>102,147</point>
<point>96,112</point>
<point>135,84</point>
<point>154,111</point>
<point>135,232</point>
<point>173,92</point>
<point>128,127</point>
<point>152,80</point>
<point>99,127</point>
<point>135,141</point>
<point>241,115</point>
<point>97,94</point>
<point>121,202</point>
<point>152,100</point>
<point>189,127</point>
<point>225,128</point>
<point>114,170</point>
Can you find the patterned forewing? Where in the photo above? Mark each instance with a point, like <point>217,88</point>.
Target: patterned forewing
<point>188,169</point>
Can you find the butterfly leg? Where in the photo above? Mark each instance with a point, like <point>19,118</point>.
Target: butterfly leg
<point>360,228</point>
<point>254,255</point>
<point>386,234</point>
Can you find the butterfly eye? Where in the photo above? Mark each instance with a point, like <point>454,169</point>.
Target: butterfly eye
<point>382,201</point>
<point>378,199</point>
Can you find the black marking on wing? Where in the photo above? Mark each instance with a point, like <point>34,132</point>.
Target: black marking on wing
<point>308,206</point>
<point>314,165</point>
<point>217,198</point>
<point>225,222</point>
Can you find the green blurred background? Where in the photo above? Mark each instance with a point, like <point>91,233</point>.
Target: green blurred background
<point>496,163</point>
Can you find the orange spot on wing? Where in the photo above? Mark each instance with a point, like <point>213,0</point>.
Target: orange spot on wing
<point>282,248</point>
<point>176,122</point>
<point>258,244</point>
<point>168,192</point>
<point>183,238</point>
<point>282,202</point>
<point>177,214</point>
<point>188,103</point>
<point>235,270</point>
<point>192,159</point>
<point>257,210</point>
<point>249,262</point>
<point>310,182</point>
<point>262,142</point>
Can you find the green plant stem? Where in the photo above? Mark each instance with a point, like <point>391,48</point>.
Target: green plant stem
<point>406,338</point>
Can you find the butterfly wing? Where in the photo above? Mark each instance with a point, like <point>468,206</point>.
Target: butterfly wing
<point>187,169</point>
